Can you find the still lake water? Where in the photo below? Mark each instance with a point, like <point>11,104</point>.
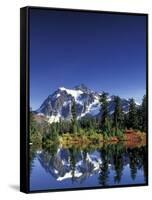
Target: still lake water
<point>76,167</point>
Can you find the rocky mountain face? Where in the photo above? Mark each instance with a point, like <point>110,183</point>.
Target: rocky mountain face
<point>58,105</point>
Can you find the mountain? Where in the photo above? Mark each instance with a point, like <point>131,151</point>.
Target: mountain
<point>58,105</point>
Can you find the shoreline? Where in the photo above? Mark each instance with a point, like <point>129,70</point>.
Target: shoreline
<point>131,140</point>
<point>134,136</point>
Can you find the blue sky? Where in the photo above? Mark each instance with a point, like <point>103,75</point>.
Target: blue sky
<point>106,52</point>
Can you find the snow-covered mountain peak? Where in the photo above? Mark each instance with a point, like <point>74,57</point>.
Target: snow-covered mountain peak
<point>58,105</point>
<point>83,88</point>
<point>73,93</point>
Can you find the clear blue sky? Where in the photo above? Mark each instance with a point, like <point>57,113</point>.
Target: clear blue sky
<point>106,52</point>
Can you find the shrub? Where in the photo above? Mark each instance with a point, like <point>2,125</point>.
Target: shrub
<point>105,136</point>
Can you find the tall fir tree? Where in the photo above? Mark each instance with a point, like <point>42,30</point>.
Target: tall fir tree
<point>33,128</point>
<point>132,115</point>
<point>74,117</point>
<point>140,117</point>
<point>54,132</point>
<point>104,125</point>
<point>126,121</point>
<point>118,115</point>
<point>35,135</point>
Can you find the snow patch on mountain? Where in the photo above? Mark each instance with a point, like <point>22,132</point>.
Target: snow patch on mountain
<point>58,95</point>
<point>74,93</point>
<point>54,118</point>
<point>109,99</point>
<point>92,109</point>
<point>40,114</point>
<point>66,103</point>
<point>137,103</point>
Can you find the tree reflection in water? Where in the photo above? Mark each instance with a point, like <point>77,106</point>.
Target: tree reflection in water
<point>78,164</point>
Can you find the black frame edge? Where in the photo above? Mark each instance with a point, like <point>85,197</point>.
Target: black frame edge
<point>24,186</point>
<point>86,10</point>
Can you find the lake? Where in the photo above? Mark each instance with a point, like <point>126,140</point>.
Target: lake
<point>75,166</point>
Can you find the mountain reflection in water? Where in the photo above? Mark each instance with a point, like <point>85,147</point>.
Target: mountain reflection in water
<point>73,167</point>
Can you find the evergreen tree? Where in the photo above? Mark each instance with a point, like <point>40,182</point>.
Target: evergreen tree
<point>32,124</point>
<point>132,115</point>
<point>64,127</point>
<point>125,122</point>
<point>118,116</point>
<point>88,123</point>
<point>53,132</point>
<point>108,127</point>
<point>35,135</point>
<point>140,117</point>
<point>105,113</point>
<point>73,111</point>
<point>74,117</point>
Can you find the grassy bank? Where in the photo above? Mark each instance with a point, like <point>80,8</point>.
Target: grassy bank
<point>130,139</point>
<point>129,136</point>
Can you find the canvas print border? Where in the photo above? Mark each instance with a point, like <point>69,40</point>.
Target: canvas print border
<point>24,97</point>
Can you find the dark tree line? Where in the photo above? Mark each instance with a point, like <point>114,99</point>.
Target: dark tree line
<point>35,133</point>
<point>116,155</point>
<point>114,124</point>
<point>137,117</point>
